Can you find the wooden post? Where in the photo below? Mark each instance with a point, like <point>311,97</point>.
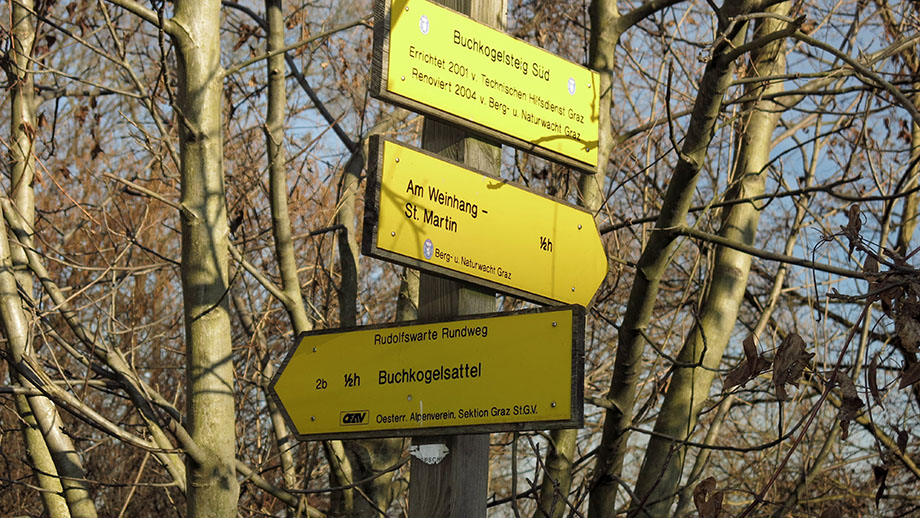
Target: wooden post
<point>456,487</point>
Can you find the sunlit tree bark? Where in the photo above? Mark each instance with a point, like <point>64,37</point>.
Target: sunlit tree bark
<point>655,257</point>
<point>213,488</point>
<point>22,130</point>
<point>703,348</point>
<point>50,449</point>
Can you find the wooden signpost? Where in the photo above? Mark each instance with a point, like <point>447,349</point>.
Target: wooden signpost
<point>444,211</point>
<point>438,62</point>
<point>491,373</point>
<point>439,216</point>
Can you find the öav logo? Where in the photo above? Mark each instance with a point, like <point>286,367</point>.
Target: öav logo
<point>423,24</point>
<point>571,86</point>
<point>353,417</point>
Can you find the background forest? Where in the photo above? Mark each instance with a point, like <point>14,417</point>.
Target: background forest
<point>183,191</point>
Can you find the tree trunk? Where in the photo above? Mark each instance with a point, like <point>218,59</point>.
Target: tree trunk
<point>779,281</point>
<point>368,457</point>
<point>212,485</point>
<point>557,476</point>
<point>909,212</point>
<point>457,486</point>
<point>281,224</point>
<point>61,448</point>
<point>651,265</point>
<point>605,32</point>
<point>277,173</point>
<point>22,172</point>
<point>360,459</point>
<point>689,386</point>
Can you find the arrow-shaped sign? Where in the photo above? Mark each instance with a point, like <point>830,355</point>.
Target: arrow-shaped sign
<point>505,371</point>
<point>442,217</point>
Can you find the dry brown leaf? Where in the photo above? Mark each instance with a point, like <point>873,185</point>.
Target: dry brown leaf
<point>708,501</point>
<point>80,114</point>
<point>246,31</point>
<point>881,476</point>
<point>872,377</point>
<point>789,364</point>
<point>832,512</point>
<point>749,369</point>
<point>908,330</point>
<point>854,225</point>
<point>914,285</point>
<point>888,297</point>
<point>871,265</point>
<point>910,375</point>
<point>808,26</point>
<point>96,151</point>
<point>898,259</point>
<point>902,440</point>
<point>737,376</point>
<point>851,403</point>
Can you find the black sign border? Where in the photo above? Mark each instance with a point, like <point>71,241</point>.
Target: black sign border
<point>380,69</point>
<point>576,419</point>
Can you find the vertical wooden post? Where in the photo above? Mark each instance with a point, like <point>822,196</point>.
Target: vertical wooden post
<point>456,487</point>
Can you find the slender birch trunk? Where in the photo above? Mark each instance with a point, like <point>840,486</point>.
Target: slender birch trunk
<point>605,32</point>
<point>277,173</point>
<point>61,448</point>
<point>654,259</point>
<point>779,281</point>
<point>360,459</point>
<point>22,121</point>
<point>213,489</point>
<point>281,222</point>
<point>703,348</point>
<point>910,212</point>
<point>35,411</point>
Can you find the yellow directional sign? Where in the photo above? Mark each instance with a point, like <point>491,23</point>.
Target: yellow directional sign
<point>439,216</point>
<point>438,62</point>
<point>510,371</point>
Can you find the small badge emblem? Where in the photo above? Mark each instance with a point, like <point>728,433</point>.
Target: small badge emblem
<point>428,249</point>
<point>423,24</point>
<point>353,417</point>
<point>571,86</point>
